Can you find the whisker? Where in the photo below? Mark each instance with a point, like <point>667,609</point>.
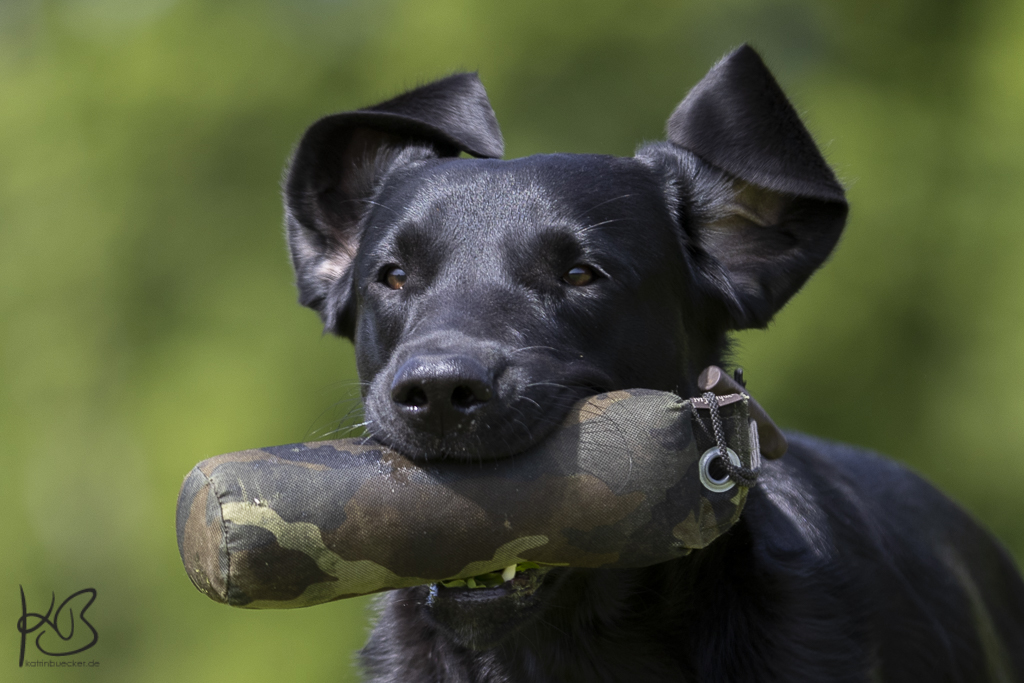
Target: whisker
<point>527,398</point>
<point>598,225</point>
<point>533,348</point>
<point>608,201</point>
<point>378,204</point>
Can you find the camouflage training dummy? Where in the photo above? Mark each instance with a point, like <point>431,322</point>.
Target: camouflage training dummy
<point>629,479</point>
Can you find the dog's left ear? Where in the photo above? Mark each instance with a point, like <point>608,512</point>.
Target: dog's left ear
<point>758,206</point>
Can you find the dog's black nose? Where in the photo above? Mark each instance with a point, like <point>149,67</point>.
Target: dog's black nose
<point>439,393</point>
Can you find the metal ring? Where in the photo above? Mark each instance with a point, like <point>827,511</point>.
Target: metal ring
<point>709,482</point>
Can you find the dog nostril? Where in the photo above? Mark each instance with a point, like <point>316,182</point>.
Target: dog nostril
<point>417,398</point>
<point>410,396</point>
<point>464,396</point>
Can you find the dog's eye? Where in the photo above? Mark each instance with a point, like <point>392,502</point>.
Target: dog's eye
<point>580,275</point>
<point>395,277</point>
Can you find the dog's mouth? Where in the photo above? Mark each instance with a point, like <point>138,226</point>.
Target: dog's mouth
<point>480,612</point>
<point>514,577</point>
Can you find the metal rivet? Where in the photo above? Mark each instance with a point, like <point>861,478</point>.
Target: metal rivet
<point>709,482</point>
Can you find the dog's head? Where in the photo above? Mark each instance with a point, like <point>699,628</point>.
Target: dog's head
<point>484,297</point>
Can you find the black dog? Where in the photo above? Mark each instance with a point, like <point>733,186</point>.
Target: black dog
<point>485,297</point>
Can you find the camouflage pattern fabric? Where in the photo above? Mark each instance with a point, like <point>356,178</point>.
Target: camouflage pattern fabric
<point>616,485</point>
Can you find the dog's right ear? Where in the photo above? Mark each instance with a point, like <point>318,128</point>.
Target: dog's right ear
<point>341,162</point>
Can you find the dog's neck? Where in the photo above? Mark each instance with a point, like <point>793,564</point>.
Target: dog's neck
<point>604,625</point>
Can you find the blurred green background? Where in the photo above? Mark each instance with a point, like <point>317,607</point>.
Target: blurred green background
<point>148,318</point>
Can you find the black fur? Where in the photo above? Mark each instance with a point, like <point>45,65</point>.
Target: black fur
<point>454,278</point>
